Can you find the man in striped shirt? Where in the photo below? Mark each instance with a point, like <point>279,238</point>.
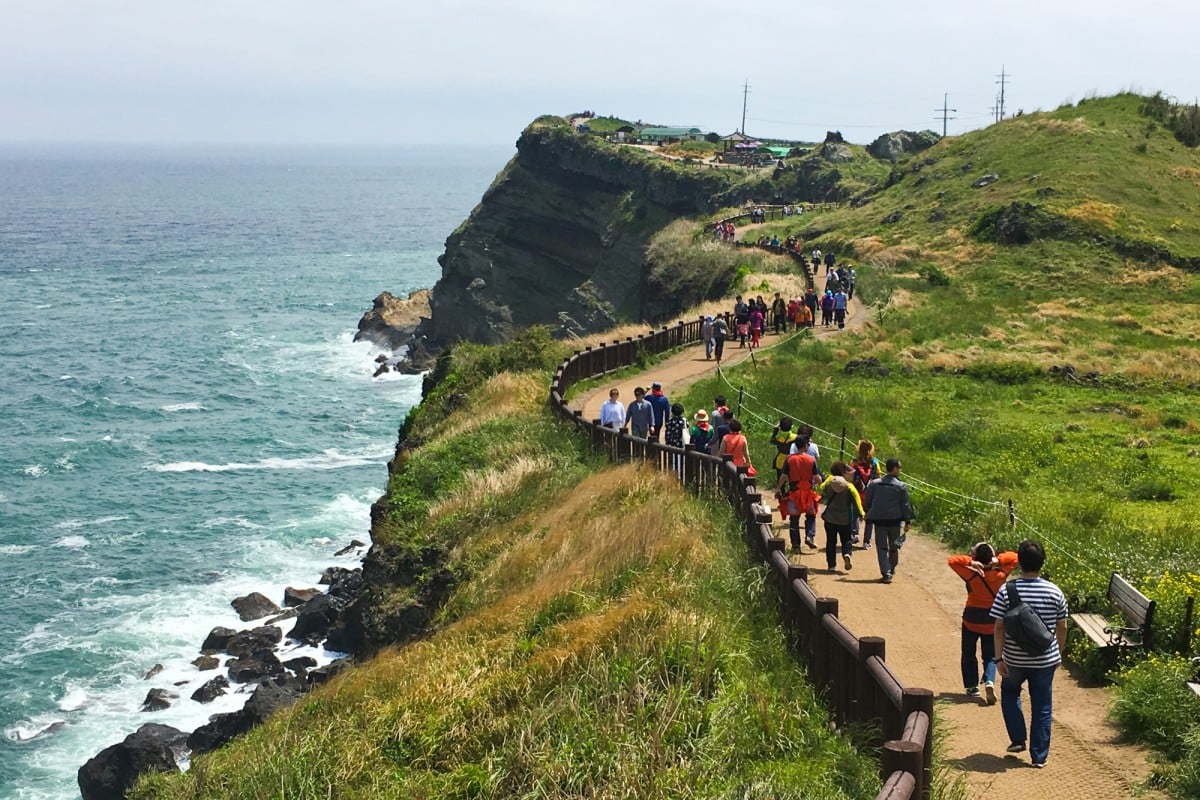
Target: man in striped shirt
<point>1017,666</point>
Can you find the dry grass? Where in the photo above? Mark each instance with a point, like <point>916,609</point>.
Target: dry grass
<point>502,395</point>
<point>1058,127</point>
<point>1094,212</point>
<point>1190,174</point>
<point>1136,273</point>
<point>480,485</point>
<point>874,251</point>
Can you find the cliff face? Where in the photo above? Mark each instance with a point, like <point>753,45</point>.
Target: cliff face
<point>559,238</point>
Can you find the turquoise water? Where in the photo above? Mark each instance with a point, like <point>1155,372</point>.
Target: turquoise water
<point>183,415</point>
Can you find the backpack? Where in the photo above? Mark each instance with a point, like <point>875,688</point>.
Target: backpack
<point>1024,626</point>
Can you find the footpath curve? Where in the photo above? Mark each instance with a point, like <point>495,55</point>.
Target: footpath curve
<point>918,615</point>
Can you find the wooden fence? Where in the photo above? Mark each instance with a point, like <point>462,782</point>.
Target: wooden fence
<point>850,671</point>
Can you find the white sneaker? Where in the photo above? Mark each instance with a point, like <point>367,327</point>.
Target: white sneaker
<point>989,691</point>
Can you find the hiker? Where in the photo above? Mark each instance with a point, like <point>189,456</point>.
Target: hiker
<point>640,415</point>
<point>734,444</point>
<point>706,336</point>
<point>850,278</point>
<point>842,506</point>
<point>741,320</point>
<point>810,300</point>
<point>702,432</point>
<point>779,313</point>
<point>984,571</point>
<point>816,260</point>
<point>804,437</point>
<point>865,469</point>
<point>889,507</point>
<point>839,308</point>
<point>1017,666</point>
<point>612,412</point>
<point>829,260</point>
<point>796,494</point>
<point>756,326</point>
<point>720,425</point>
<point>720,332</point>
<point>827,309</point>
<point>782,438</point>
<point>661,406</point>
<point>675,427</point>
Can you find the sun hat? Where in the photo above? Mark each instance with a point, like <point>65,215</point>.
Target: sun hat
<point>701,416</point>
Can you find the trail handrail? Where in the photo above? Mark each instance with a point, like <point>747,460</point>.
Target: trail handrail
<point>858,684</point>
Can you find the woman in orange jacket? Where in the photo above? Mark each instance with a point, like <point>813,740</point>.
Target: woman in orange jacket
<point>984,572</point>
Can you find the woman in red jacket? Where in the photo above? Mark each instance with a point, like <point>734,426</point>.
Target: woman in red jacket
<point>984,572</point>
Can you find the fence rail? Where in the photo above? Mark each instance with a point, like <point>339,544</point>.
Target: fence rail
<point>851,671</point>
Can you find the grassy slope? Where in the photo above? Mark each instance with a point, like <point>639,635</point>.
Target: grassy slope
<point>1105,471</point>
<point>608,638</point>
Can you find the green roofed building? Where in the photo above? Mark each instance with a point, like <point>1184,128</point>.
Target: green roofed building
<point>661,135</point>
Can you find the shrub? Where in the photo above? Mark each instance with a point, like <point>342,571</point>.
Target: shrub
<point>1007,373</point>
<point>1149,697</point>
<point>934,275</point>
<point>1152,489</point>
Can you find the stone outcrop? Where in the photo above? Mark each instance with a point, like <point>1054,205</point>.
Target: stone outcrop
<point>111,772</point>
<point>392,320</point>
<point>898,144</point>
<point>254,606</point>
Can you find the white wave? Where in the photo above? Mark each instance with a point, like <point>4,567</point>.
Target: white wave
<point>329,459</point>
<point>235,522</point>
<point>65,464</point>
<point>16,549</point>
<point>74,699</point>
<point>193,406</point>
<point>3,497</point>
<point>35,470</point>
<point>73,524</point>
<point>72,542</point>
<point>66,377</point>
<point>28,730</point>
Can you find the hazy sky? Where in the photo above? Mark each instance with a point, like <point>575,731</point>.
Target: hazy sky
<point>467,71</point>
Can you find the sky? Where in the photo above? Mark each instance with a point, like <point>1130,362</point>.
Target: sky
<point>467,72</point>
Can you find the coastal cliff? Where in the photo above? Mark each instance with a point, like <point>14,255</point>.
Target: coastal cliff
<point>560,237</point>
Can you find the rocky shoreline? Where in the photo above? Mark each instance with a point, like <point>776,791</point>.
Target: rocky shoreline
<point>391,323</point>
<point>251,663</point>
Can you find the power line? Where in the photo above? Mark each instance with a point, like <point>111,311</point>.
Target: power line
<point>945,112</point>
<point>745,97</point>
<point>1000,102</point>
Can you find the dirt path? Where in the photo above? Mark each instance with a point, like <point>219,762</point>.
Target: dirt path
<point>918,614</point>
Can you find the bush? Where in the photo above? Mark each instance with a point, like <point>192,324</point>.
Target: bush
<point>1007,373</point>
<point>934,275</point>
<point>1152,489</point>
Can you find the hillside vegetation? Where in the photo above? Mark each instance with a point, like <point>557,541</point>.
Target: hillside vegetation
<point>1034,339</point>
<point>607,636</point>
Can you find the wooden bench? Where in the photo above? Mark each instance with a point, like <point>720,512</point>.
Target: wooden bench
<point>1137,611</point>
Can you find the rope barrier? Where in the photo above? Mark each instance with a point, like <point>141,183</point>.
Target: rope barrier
<point>944,493</point>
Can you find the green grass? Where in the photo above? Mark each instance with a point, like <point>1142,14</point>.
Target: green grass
<point>609,637</point>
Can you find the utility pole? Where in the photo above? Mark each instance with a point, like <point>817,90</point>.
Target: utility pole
<point>745,95</point>
<point>1003,81</point>
<point>945,113</point>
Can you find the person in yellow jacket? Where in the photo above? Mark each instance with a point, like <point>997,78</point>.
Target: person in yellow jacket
<point>782,438</point>
<point>984,572</point>
<point>842,507</point>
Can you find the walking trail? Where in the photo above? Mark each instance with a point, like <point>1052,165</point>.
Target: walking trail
<point>919,615</point>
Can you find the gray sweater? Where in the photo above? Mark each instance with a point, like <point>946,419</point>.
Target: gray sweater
<point>887,500</point>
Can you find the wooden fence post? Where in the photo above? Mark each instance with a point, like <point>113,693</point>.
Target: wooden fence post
<point>865,707</point>
<point>902,756</point>
<point>911,701</point>
<point>821,643</point>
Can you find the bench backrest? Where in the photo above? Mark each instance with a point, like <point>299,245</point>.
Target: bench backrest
<point>1135,606</point>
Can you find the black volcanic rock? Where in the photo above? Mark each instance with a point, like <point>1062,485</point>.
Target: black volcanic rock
<point>254,606</point>
<point>112,772</point>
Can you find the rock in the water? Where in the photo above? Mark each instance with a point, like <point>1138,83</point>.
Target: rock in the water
<point>245,643</point>
<point>392,320</point>
<point>298,597</point>
<point>256,666</point>
<point>300,665</point>
<point>315,618</point>
<point>254,606</point>
<point>271,695</point>
<point>217,640</point>
<point>150,673</point>
<point>211,690</point>
<point>112,772</point>
<point>158,699</point>
<point>354,545</point>
<point>204,663</point>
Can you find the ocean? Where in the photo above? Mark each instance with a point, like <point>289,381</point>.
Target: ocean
<point>184,417</point>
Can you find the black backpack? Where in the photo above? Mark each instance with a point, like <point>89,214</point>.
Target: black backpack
<point>1024,626</point>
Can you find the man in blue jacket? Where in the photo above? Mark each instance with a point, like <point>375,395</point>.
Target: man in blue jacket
<point>890,509</point>
<point>662,409</point>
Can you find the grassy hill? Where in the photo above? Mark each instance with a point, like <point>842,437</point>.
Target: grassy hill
<point>598,641</point>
